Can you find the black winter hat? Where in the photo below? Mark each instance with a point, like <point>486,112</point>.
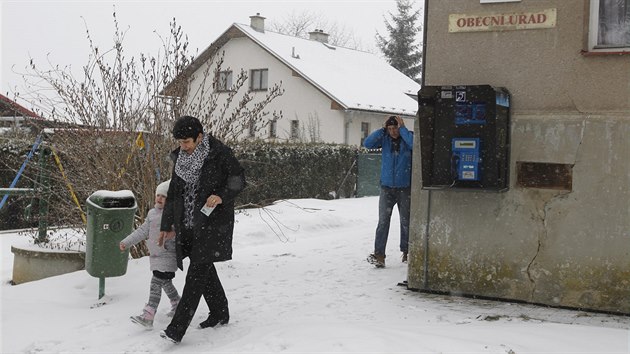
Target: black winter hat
<point>187,127</point>
<point>391,121</point>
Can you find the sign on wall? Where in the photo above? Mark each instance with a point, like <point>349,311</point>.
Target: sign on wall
<point>502,21</point>
<point>494,1</point>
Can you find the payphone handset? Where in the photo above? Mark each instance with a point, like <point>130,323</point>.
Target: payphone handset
<point>465,159</point>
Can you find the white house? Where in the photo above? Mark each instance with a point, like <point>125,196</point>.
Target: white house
<point>335,94</point>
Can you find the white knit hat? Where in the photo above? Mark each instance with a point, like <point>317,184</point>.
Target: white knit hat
<point>162,188</point>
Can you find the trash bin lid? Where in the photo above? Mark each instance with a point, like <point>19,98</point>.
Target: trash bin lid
<point>113,199</point>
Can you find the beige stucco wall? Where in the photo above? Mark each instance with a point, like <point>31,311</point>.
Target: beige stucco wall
<point>542,68</point>
<point>565,248</point>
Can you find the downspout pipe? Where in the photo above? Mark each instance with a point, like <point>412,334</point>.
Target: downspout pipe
<point>425,266</point>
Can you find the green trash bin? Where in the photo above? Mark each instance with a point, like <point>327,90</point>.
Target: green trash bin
<point>110,216</point>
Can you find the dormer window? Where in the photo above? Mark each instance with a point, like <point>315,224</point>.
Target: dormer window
<point>258,79</point>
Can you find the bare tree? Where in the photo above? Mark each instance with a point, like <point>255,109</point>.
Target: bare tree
<point>118,114</point>
<point>299,24</point>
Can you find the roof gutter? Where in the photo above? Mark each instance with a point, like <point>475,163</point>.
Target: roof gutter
<point>409,115</point>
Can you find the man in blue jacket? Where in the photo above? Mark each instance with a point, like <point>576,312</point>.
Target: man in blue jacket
<point>397,145</point>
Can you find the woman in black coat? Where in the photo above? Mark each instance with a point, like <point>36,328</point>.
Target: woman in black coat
<point>205,174</point>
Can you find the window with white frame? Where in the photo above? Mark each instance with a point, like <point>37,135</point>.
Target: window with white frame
<point>224,81</point>
<point>609,28</point>
<point>273,128</point>
<point>258,79</point>
<point>295,129</point>
<point>365,131</point>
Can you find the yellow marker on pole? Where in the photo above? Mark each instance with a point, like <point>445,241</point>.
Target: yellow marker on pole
<point>139,142</point>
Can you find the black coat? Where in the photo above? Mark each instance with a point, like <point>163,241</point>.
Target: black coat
<point>222,175</point>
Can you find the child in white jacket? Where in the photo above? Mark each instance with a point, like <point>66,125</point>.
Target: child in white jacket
<point>163,261</point>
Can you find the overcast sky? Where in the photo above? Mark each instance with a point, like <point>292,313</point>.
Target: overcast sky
<point>55,30</point>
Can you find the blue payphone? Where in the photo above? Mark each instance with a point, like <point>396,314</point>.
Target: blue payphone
<point>464,137</point>
<point>466,159</point>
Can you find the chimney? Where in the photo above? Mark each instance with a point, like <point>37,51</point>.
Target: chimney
<point>257,22</point>
<point>318,35</point>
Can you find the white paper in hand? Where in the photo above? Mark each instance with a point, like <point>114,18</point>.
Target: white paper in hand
<point>206,210</point>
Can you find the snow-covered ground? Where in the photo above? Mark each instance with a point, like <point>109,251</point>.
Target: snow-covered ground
<point>299,283</point>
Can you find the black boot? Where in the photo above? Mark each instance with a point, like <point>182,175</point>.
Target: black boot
<point>170,337</point>
<point>213,321</point>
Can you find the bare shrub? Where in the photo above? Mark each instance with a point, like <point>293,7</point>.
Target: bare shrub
<point>112,124</point>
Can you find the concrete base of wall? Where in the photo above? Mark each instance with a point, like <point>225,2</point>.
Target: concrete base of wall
<point>30,265</point>
<point>558,247</point>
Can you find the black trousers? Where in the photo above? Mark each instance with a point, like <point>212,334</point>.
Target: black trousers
<point>201,280</point>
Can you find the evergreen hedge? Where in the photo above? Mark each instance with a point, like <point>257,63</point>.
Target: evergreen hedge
<point>294,171</point>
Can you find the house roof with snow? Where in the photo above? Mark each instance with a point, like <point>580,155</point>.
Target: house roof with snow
<point>356,80</point>
<point>10,108</point>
